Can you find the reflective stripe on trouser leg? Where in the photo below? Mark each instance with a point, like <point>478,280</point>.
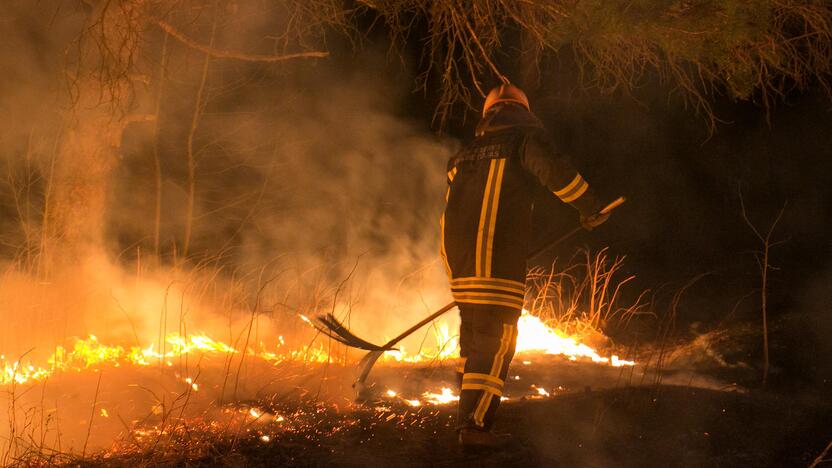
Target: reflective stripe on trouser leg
<point>489,349</point>
<point>506,340</point>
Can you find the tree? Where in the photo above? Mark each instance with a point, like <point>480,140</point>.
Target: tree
<point>108,61</point>
<point>755,50</point>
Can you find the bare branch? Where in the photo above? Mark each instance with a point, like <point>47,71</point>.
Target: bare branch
<point>822,457</point>
<point>748,221</point>
<point>228,54</point>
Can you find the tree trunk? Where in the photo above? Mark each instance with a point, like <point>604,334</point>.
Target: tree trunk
<point>100,89</point>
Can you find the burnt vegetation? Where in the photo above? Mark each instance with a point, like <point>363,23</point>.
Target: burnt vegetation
<point>192,168</point>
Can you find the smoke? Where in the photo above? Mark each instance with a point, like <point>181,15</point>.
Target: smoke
<point>312,195</point>
<point>313,182</point>
<point>315,193</point>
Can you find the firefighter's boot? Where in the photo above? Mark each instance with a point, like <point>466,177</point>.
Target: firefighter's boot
<point>476,440</point>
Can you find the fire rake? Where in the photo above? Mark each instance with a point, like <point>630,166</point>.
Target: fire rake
<point>333,328</point>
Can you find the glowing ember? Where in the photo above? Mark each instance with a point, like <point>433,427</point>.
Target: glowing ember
<point>447,396</point>
<point>542,391</point>
<point>618,362</point>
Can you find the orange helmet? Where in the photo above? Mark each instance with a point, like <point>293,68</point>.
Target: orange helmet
<point>505,93</point>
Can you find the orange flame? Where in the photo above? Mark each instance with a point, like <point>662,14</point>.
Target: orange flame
<point>534,336</point>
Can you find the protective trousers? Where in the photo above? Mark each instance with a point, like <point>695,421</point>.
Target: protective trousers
<point>488,335</point>
<point>484,231</point>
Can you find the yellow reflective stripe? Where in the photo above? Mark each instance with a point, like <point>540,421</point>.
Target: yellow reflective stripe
<point>495,206</point>
<point>577,194</point>
<point>496,367</point>
<point>577,180</point>
<point>480,279</point>
<point>486,295</point>
<point>505,341</point>
<point>442,250</point>
<point>452,174</point>
<point>475,375</point>
<point>496,302</point>
<point>486,200</point>
<point>519,292</point>
<point>488,389</point>
<point>488,299</point>
<point>482,406</point>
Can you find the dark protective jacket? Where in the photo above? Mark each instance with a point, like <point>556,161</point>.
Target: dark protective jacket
<point>486,226</point>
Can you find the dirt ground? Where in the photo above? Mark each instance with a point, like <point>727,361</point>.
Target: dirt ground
<point>624,426</point>
<point>705,408</point>
<point>647,426</point>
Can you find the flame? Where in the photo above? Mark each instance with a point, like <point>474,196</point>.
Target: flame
<point>90,353</point>
<point>447,347</point>
<point>447,396</point>
<point>534,336</point>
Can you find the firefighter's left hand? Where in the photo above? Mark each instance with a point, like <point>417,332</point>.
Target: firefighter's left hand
<point>593,221</point>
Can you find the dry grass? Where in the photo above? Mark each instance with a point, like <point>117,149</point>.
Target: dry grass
<point>584,296</point>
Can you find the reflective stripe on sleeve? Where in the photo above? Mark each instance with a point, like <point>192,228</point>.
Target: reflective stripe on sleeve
<point>573,190</point>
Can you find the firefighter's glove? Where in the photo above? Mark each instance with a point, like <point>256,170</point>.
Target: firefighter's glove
<point>593,221</point>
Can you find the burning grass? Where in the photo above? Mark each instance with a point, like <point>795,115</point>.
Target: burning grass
<point>160,389</point>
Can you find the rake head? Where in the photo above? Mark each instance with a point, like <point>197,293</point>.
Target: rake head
<point>331,327</point>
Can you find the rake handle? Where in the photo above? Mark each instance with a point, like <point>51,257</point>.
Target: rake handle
<point>419,325</point>
<point>605,210</point>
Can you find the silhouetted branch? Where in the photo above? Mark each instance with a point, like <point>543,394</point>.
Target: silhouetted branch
<point>228,54</point>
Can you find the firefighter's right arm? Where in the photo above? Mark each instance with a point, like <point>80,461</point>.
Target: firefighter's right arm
<point>540,158</point>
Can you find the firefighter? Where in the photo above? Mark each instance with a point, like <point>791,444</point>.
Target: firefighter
<point>486,228</point>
